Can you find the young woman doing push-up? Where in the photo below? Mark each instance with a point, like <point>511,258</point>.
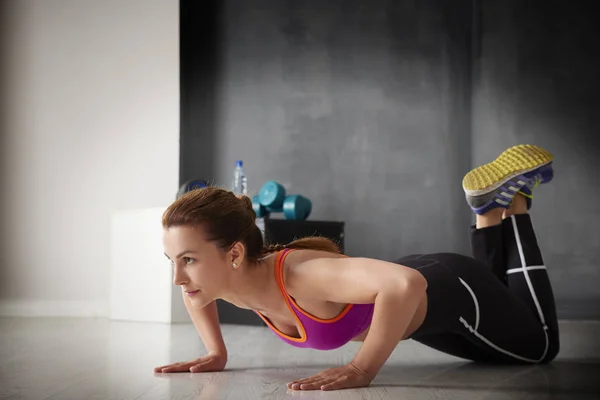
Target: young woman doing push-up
<point>496,306</point>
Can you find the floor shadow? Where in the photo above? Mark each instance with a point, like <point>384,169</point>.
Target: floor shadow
<point>573,378</point>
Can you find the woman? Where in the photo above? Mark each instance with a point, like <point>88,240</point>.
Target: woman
<point>495,307</point>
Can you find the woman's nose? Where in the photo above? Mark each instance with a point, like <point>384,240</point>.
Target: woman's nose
<point>179,276</point>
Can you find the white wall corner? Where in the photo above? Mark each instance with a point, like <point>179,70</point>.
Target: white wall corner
<point>141,282</point>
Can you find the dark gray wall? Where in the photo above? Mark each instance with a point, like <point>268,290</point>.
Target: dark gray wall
<point>362,107</point>
<point>537,81</point>
<point>200,44</point>
<point>5,102</point>
<point>375,110</point>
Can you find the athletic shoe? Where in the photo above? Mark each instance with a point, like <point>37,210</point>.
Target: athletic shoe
<point>518,169</point>
<point>545,175</point>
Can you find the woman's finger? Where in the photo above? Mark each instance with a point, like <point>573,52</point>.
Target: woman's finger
<point>340,383</point>
<point>313,380</point>
<point>315,385</point>
<point>305,380</point>
<point>162,367</point>
<point>299,381</point>
<point>159,369</point>
<point>180,367</point>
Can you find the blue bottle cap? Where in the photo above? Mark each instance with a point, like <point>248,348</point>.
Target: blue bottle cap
<point>239,163</point>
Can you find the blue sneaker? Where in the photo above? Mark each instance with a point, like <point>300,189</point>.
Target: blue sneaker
<point>544,175</point>
<point>518,169</point>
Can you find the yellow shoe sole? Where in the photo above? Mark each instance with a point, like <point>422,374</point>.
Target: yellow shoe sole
<point>511,163</point>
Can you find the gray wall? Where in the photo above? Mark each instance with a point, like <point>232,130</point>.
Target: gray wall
<point>363,109</point>
<point>536,81</point>
<point>375,110</point>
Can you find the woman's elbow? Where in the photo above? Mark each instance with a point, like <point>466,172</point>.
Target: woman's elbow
<point>415,282</point>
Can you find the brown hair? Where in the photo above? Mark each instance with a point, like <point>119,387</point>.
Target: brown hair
<point>228,218</point>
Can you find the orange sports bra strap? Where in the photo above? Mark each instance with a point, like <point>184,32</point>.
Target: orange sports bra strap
<point>279,269</point>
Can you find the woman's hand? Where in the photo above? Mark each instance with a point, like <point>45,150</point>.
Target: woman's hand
<point>348,376</point>
<point>213,362</point>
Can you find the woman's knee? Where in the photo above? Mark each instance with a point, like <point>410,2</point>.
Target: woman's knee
<point>553,347</point>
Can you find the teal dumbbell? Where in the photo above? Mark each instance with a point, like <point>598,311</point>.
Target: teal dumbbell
<point>273,199</point>
<point>260,210</point>
<point>296,207</point>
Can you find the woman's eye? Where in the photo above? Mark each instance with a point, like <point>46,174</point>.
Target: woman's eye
<point>188,260</point>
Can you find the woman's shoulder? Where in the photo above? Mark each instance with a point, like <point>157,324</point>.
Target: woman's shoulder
<point>298,260</point>
<point>302,266</point>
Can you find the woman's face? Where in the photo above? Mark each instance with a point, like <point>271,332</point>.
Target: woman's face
<point>199,266</point>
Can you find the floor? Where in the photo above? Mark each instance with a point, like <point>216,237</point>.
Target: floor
<point>87,359</point>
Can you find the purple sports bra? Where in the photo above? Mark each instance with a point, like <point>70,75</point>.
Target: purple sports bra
<point>316,333</point>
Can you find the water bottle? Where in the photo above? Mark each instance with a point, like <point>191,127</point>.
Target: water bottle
<point>240,181</point>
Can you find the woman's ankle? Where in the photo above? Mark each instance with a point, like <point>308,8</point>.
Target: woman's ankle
<point>517,207</point>
<point>490,218</point>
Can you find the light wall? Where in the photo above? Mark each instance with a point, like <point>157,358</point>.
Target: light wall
<point>91,107</point>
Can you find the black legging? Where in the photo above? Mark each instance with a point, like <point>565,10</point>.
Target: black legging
<point>495,307</point>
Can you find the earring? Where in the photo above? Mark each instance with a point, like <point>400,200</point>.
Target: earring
<point>234,265</point>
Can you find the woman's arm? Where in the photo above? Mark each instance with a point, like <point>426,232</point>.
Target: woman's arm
<point>395,306</point>
<point>395,290</point>
<point>206,321</point>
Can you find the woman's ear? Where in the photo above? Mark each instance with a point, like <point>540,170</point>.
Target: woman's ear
<point>237,254</point>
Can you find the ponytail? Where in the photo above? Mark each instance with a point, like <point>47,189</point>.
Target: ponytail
<point>307,243</point>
